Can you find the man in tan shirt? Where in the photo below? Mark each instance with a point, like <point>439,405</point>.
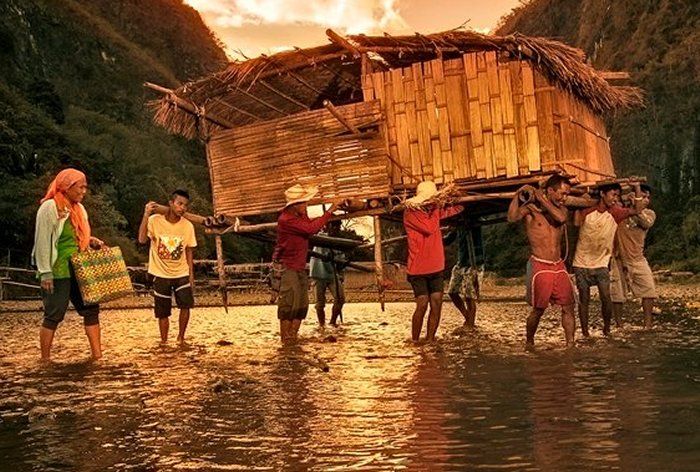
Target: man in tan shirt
<point>630,269</point>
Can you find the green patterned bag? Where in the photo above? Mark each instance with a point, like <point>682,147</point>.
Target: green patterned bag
<point>101,275</point>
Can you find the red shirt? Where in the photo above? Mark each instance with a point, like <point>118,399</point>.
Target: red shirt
<point>293,233</point>
<point>426,254</point>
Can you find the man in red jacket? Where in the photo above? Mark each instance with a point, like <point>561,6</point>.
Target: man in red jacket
<point>294,228</point>
<point>426,256</point>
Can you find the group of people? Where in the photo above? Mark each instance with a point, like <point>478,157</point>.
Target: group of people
<point>609,255</point>
<point>611,236</point>
<point>63,228</point>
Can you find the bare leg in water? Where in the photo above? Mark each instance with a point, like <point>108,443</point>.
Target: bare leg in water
<point>606,306</point>
<point>93,335</point>
<point>568,322</point>
<point>617,314</point>
<point>533,321</point>
<point>184,319</point>
<point>164,326</point>
<point>647,308</point>
<point>45,341</point>
<point>422,302</point>
<point>462,307</point>
<point>285,331</point>
<point>434,315</point>
<point>584,301</point>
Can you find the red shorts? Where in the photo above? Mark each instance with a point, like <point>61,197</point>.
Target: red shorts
<point>548,282</point>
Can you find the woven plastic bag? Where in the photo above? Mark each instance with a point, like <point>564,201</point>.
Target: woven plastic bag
<point>101,275</point>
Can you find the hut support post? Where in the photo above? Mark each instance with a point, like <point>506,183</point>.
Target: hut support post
<point>378,266</point>
<point>220,270</point>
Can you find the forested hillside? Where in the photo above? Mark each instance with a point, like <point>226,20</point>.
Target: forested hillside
<point>657,42</point>
<point>71,94</point>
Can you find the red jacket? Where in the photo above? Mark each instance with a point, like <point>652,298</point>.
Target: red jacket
<point>293,233</point>
<point>426,254</point>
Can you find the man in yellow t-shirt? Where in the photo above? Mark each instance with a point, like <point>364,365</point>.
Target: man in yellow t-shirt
<point>170,260</point>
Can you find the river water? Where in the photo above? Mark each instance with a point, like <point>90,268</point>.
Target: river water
<point>472,401</point>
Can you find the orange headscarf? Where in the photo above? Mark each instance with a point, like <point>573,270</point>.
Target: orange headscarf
<point>62,182</point>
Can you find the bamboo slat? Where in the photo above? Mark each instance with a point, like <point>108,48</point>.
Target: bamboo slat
<point>519,117</point>
<point>433,123</point>
<point>412,122</point>
<point>475,125</point>
<point>545,119</point>
<point>455,86</point>
<point>492,71</point>
<point>422,124</point>
<point>485,112</point>
<point>443,121</point>
<point>530,105</point>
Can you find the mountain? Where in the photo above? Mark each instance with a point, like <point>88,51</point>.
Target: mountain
<point>71,94</point>
<point>657,42</point>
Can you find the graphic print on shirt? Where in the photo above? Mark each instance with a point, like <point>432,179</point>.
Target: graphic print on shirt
<point>170,248</point>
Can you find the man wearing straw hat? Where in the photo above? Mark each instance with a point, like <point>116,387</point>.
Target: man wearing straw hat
<point>426,256</point>
<point>294,228</point>
<point>548,280</point>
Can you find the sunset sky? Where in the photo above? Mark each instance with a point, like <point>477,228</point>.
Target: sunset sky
<point>269,26</point>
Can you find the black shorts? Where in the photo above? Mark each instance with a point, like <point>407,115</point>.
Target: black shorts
<point>163,290</point>
<point>425,284</point>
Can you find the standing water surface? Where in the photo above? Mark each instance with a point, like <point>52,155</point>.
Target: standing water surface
<point>473,400</point>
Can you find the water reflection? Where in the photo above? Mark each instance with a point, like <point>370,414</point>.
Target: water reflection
<point>472,401</point>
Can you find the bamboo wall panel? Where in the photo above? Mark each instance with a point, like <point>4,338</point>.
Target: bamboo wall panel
<point>252,165</point>
<point>481,118</point>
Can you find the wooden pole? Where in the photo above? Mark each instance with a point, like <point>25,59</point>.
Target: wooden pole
<point>342,119</point>
<point>189,106</point>
<point>196,219</point>
<point>343,42</point>
<point>378,266</point>
<point>221,271</point>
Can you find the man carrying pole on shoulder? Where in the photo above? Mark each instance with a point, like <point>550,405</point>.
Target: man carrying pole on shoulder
<point>545,216</point>
<point>426,256</point>
<point>294,228</point>
<point>595,246</point>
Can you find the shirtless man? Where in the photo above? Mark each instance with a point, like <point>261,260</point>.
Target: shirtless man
<point>547,279</point>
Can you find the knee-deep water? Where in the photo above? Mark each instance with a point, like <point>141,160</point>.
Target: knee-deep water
<point>473,400</point>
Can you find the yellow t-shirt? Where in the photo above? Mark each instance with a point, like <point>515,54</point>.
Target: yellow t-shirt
<point>166,257</point>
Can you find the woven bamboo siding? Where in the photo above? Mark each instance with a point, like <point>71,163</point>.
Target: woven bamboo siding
<point>252,165</point>
<point>477,117</point>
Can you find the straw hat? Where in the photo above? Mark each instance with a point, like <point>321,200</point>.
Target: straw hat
<point>297,193</point>
<point>425,191</point>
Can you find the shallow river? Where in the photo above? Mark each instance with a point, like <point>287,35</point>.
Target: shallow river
<point>472,401</point>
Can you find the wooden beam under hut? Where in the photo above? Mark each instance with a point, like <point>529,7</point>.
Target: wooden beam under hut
<point>378,266</point>
<point>221,271</point>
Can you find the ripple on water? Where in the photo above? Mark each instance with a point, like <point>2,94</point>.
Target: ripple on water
<point>232,399</point>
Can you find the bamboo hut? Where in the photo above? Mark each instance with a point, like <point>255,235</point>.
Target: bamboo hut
<point>368,117</point>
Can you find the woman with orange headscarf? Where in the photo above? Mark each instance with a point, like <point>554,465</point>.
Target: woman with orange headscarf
<point>62,229</point>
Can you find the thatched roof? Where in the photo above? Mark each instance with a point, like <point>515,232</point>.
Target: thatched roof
<point>269,87</point>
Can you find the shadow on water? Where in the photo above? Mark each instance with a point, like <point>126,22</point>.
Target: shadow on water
<point>360,397</point>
